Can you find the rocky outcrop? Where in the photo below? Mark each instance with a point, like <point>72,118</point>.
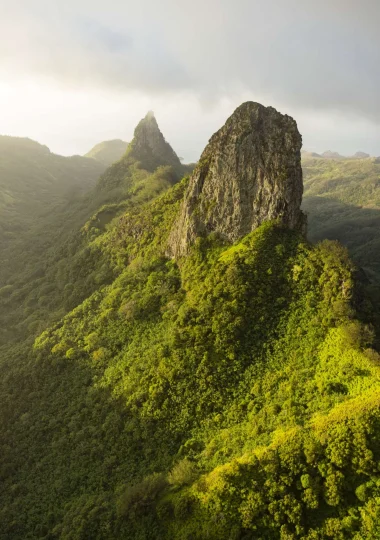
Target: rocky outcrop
<point>249,172</point>
<point>150,148</point>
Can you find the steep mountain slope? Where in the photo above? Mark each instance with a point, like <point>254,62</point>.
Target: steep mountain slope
<point>149,146</point>
<point>56,265</point>
<point>229,394</point>
<point>342,199</point>
<point>108,152</point>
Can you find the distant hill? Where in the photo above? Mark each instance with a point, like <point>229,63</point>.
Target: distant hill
<point>331,155</point>
<point>108,152</point>
<point>342,198</point>
<point>33,181</point>
<point>35,187</point>
<point>361,155</point>
<point>306,154</point>
<point>148,151</point>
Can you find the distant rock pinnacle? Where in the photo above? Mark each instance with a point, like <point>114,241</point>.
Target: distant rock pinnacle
<point>249,172</point>
<point>150,148</point>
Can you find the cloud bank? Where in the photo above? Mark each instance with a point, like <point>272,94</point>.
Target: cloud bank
<point>314,59</point>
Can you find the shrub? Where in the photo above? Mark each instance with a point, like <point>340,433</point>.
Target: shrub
<point>183,506</point>
<point>138,498</point>
<point>182,474</point>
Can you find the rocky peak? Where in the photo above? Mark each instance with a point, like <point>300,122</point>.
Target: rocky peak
<point>149,146</point>
<point>249,172</point>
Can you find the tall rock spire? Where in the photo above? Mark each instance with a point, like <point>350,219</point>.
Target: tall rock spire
<point>249,172</point>
<point>150,148</point>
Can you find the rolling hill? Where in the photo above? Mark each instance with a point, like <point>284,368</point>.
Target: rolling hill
<point>108,152</point>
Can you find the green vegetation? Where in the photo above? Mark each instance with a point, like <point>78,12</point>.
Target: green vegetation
<point>108,152</point>
<point>342,198</point>
<point>35,185</point>
<point>59,262</point>
<point>233,394</point>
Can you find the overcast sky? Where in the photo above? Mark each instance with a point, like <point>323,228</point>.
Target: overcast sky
<point>75,73</point>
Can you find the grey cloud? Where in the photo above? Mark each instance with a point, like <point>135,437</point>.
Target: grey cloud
<point>302,54</point>
<point>315,54</point>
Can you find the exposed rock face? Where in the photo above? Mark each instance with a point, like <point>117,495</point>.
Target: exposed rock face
<point>150,148</point>
<point>249,172</point>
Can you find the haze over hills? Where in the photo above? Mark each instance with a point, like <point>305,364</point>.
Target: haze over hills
<point>107,152</point>
<point>53,263</point>
<point>335,155</point>
<point>33,180</point>
<point>361,155</point>
<point>223,390</point>
<point>36,186</point>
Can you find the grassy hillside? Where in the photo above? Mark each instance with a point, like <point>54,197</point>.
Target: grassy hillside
<point>108,152</point>
<point>342,199</point>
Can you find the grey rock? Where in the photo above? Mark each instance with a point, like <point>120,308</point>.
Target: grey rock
<point>150,148</point>
<point>249,172</point>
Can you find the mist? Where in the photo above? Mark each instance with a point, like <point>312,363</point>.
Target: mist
<point>75,74</point>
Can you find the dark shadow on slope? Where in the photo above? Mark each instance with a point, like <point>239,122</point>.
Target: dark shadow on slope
<point>358,229</point>
<point>355,227</point>
<point>65,445</point>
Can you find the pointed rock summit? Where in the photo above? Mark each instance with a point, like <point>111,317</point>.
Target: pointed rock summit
<point>249,172</point>
<point>150,148</point>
